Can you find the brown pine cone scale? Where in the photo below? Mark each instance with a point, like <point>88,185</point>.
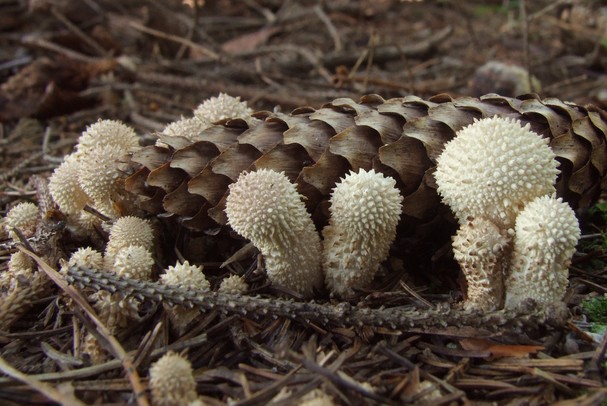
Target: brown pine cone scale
<point>401,137</point>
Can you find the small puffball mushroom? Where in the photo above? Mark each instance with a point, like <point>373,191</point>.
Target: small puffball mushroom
<point>188,127</point>
<point>222,107</point>
<point>21,267</point>
<point>134,262</point>
<point>316,397</point>
<point>265,207</point>
<point>91,347</point>
<point>492,168</point>
<point>172,381</point>
<point>106,133</point>
<point>365,210</point>
<point>24,216</point>
<point>233,284</point>
<point>188,277</point>
<point>86,257</point>
<point>99,177</point>
<point>65,187</point>
<point>546,234</point>
<point>479,247</point>
<point>126,231</point>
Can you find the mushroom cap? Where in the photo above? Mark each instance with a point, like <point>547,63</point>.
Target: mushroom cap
<point>99,175</point>
<point>172,381</point>
<point>366,202</point>
<point>546,234</point>
<point>25,217</point>
<point>134,262</point>
<point>234,284</point>
<point>126,231</point>
<point>221,107</point>
<point>188,127</point>
<point>65,187</point>
<point>186,276</point>
<point>86,258</point>
<point>492,168</point>
<point>265,207</point>
<point>106,133</point>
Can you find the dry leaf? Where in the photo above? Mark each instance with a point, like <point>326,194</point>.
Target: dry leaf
<point>248,42</point>
<point>499,350</point>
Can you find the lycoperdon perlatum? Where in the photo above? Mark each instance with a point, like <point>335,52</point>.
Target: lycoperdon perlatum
<point>400,137</point>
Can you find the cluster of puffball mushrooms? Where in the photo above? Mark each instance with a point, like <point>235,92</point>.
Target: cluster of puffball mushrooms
<point>515,240</point>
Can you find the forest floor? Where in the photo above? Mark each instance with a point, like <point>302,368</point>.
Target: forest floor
<point>65,64</point>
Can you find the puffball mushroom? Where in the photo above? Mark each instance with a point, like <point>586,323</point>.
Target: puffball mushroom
<point>126,231</point>
<point>106,133</point>
<point>172,381</point>
<point>492,168</point>
<point>221,107</point>
<point>479,247</point>
<point>65,187</point>
<point>487,174</point>
<point>134,262</point>
<point>265,207</point>
<point>365,210</point>
<point>188,127</point>
<point>546,234</point>
<point>233,284</point>
<point>185,276</point>
<point>23,216</point>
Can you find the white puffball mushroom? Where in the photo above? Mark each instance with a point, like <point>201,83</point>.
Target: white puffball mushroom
<point>99,177</point>
<point>365,210</point>
<point>126,231</point>
<point>65,187</point>
<point>188,127</point>
<point>233,284</point>
<point>480,248</point>
<point>134,262</point>
<point>492,168</point>
<point>25,217</point>
<point>265,207</point>
<point>86,257</point>
<point>172,381</point>
<point>186,276</point>
<point>546,234</point>
<point>105,133</point>
<point>221,107</point>
<point>21,268</point>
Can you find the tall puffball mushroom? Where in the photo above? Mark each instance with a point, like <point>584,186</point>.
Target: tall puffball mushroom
<point>265,207</point>
<point>546,234</point>
<point>490,171</point>
<point>365,210</point>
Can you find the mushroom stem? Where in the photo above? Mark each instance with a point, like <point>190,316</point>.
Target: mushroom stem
<point>480,247</point>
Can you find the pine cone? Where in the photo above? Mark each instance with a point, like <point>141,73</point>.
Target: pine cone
<point>399,137</point>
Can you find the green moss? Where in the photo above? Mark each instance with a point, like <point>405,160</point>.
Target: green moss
<point>596,309</point>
